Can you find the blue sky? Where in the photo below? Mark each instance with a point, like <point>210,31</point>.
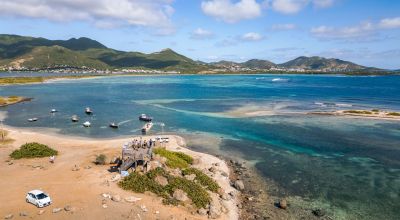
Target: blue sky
<point>366,32</point>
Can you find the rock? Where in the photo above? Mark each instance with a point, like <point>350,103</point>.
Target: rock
<point>202,211</point>
<point>180,195</point>
<point>9,216</point>
<point>190,177</point>
<point>115,178</point>
<point>195,161</point>
<point>55,210</point>
<point>250,198</point>
<point>67,208</point>
<point>41,212</point>
<point>116,198</point>
<point>240,205</point>
<point>144,209</point>
<point>225,196</point>
<point>75,168</point>
<point>223,173</point>
<point>161,180</point>
<point>283,204</point>
<point>215,210</point>
<point>176,172</point>
<point>318,212</point>
<point>23,214</point>
<point>157,212</point>
<point>10,163</point>
<point>88,167</point>
<point>212,169</point>
<point>239,185</point>
<point>105,206</point>
<point>132,199</point>
<point>106,195</point>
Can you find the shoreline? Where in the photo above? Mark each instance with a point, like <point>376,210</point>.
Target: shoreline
<point>71,152</point>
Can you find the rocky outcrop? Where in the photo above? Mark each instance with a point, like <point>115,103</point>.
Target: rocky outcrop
<point>239,185</point>
<point>161,180</point>
<point>180,195</point>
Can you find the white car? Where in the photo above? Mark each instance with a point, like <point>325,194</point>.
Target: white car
<point>38,198</point>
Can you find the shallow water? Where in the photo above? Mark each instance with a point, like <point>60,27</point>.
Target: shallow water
<point>350,166</point>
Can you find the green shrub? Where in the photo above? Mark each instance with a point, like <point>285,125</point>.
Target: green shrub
<point>393,113</point>
<point>375,110</point>
<point>358,112</point>
<point>32,150</point>
<point>146,182</point>
<point>202,178</point>
<point>100,159</point>
<point>175,159</point>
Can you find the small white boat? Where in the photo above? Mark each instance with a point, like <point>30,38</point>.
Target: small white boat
<point>53,110</point>
<point>74,118</point>
<point>88,111</point>
<point>32,119</point>
<point>86,124</point>
<point>114,125</point>
<point>144,117</point>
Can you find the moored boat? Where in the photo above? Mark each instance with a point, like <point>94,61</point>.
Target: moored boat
<point>144,117</point>
<point>88,111</point>
<point>74,118</point>
<point>53,110</point>
<point>86,124</point>
<point>32,119</point>
<point>114,125</point>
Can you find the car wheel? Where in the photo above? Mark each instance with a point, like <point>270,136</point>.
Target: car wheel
<point>37,205</point>
<point>27,200</point>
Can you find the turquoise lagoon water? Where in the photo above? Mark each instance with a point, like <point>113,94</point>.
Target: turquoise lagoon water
<point>350,167</point>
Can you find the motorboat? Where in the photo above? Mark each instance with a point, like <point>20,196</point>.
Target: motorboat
<point>114,125</point>
<point>53,110</point>
<point>144,117</point>
<point>74,118</point>
<point>86,124</point>
<point>32,119</point>
<point>88,111</point>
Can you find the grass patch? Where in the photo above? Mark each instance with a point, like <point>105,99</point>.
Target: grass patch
<point>393,114</point>
<point>364,112</point>
<point>100,159</point>
<point>146,182</point>
<point>32,150</point>
<point>21,80</point>
<point>375,110</point>
<point>203,179</point>
<point>175,159</point>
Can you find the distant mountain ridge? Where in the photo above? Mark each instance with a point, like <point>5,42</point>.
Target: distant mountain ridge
<point>30,52</point>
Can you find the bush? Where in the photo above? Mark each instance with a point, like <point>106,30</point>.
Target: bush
<point>393,113</point>
<point>32,150</point>
<point>203,179</point>
<point>100,159</point>
<point>358,112</point>
<point>146,182</point>
<point>175,159</point>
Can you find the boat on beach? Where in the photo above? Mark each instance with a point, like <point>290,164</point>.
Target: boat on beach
<point>88,111</point>
<point>74,118</point>
<point>146,128</point>
<point>144,117</point>
<point>86,124</point>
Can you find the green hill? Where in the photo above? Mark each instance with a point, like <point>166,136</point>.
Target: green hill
<point>318,63</point>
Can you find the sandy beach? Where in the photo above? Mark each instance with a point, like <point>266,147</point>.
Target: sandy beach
<point>82,189</point>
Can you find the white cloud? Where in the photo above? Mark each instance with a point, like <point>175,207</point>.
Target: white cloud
<point>231,12</point>
<point>361,31</point>
<point>283,27</point>
<point>294,6</point>
<point>252,36</point>
<point>103,13</point>
<point>201,34</point>
<point>390,23</point>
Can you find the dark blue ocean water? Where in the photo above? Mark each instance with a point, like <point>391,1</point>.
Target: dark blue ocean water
<point>348,166</point>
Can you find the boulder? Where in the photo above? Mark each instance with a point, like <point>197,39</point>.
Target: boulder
<point>132,199</point>
<point>104,206</point>
<point>283,204</point>
<point>23,214</point>
<point>55,210</point>
<point>106,195</point>
<point>41,212</point>
<point>239,185</point>
<point>9,216</point>
<point>161,180</point>
<point>116,198</point>
<point>226,196</point>
<point>190,177</point>
<point>144,209</point>
<point>202,211</point>
<point>215,210</point>
<point>180,195</point>
<point>223,173</point>
<point>116,177</point>
<point>212,169</point>
<point>318,212</point>
<point>68,208</point>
